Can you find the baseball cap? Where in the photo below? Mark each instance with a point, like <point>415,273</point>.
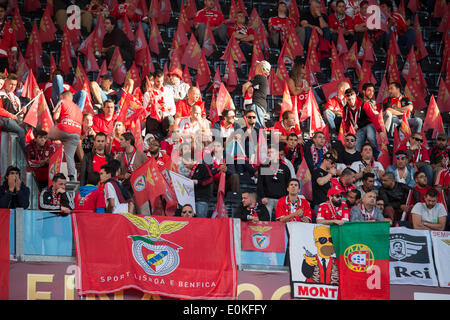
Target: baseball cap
<point>177,72</point>
<point>329,156</point>
<point>265,66</point>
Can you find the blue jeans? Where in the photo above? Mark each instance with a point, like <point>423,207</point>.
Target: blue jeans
<point>368,132</point>
<point>333,120</point>
<point>58,87</point>
<point>201,209</point>
<point>10,125</point>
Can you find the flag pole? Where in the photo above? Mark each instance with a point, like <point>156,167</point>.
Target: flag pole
<point>29,102</point>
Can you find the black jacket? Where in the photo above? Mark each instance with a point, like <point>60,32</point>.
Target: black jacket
<point>48,203</point>
<point>394,197</point>
<point>270,187</point>
<point>203,189</point>
<point>12,200</point>
<point>260,209</point>
<point>86,165</point>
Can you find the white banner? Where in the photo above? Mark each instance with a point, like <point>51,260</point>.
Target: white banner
<point>441,250</point>
<point>184,189</point>
<point>411,258</point>
<point>313,265</point>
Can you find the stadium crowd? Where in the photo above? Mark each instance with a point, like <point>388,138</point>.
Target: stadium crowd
<point>365,159</point>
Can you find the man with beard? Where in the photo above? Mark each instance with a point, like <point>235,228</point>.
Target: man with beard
<point>352,198</point>
<point>251,209</point>
<point>439,149</point>
<point>333,210</point>
<point>429,215</point>
<point>417,194</point>
<point>367,210</point>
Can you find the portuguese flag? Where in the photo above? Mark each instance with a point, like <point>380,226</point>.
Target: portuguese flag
<point>362,251</point>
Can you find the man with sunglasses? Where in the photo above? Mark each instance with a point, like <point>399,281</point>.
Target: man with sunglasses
<point>360,116</point>
<point>321,179</point>
<point>347,153</point>
<point>402,171</point>
<point>187,211</point>
<point>334,210</point>
<point>418,155</point>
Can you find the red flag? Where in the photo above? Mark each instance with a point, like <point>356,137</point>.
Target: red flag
<point>22,67</point>
<point>413,5</point>
<point>65,62</point>
<point>91,62</point>
<point>117,67</point>
<point>17,25</point>
<point>230,76</point>
<point>34,49</point>
<point>192,54</point>
<point>31,5</point>
<point>295,44</point>
<point>366,75</point>
<point>103,71</point>
<point>135,128</point>
<point>341,45</point>
<point>130,109</point>
<point>185,16</point>
<point>421,51</point>
<point>213,112</point>
<point>164,11</point>
<point>140,45</point>
<point>440,7</point>
<point>294,14</point>
<point>392,69</point>
<point>187,75</point>
<point>234,51</point>
<point>410,66</point>
<point>263,236</point>
<point>312,59</point>
<point>126,28</point>
<point>147,182</point>
<point>166,250</point>
<point>433,119</point>
<point>233,10</point>
<point>99,33</point>
<point>280,75</point>
<point>382,91</point>
<point>30,87</point>
<point>330,88</point>
<point>54,165</point>
<point>134,74</point>
<point>224,100</point>
<point>155,38</point>
<point>304,175</point>
<point>220,211</point>
<point>203,74</point>
<point>180,40</point>
<point>47,28</point>
<point>286,104</point>
<point>351,60</point>
<point>39,114</point>
<point>316,122</point>
<point>417,97</point>
<point>208,42</point>
<point>443,99</point>
<point>384,157</point>
<point>4,253</point>
<point>257,55</point>
<point>337,69</point>
<point>80,75</point>
<point>148,66</point>
<point>404,129</point>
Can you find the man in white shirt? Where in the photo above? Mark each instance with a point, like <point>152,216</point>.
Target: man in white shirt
<point>116,198</point>
<point>367,164</point>
<point>429,215</point>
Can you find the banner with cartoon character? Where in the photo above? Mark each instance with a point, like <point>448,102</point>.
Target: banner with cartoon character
<point>263,236</point>
<point>441,250</point>
<point>313,266</point>
<point>411,258</point>
<point>169,256</point>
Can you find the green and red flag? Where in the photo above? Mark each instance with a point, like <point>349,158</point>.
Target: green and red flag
<point>362,251</point>
<point>169,256</point>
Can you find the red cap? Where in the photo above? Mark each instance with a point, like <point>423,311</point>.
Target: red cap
<point>333,191</point>
<point>177,72</point>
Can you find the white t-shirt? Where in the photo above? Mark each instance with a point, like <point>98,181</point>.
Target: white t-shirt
<point>110,192</point>
<point>429,215</point>
<point>359,166</point>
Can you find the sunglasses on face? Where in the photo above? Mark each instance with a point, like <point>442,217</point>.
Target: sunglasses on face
<point>350,94</point>
<point>251,117</point>
<point>323,240</point>
<point>418,139</point>
<point>186,211</point>
<point>401,157</point>
<point>336,196</point>
<point>440,139</point>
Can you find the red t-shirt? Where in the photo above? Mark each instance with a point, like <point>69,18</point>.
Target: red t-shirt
<point>205,15</point>
<point>70,118</point>
<point>334,23</point>
<point>98,161</point>
<point>100,124</point>
<point>282,25</point>
<point>285,207</point>
<point>184,109</point>
<point>327,211</point>
<point>95,199</point>
<point>284,132</point>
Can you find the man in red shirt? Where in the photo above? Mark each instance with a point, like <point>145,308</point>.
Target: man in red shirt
<point>94,160</point>
<point>339,20</point>
<point>104,122</point>
<point>216,22</point>
<point>68,129</point>
<point>184,106</point>
<point>280,24</point>
<point>39,151</point>
<point>334,109</point>
<point>286,126</point>
<point>8,44</point>
<point>334,210</point>
<point>293,207</point>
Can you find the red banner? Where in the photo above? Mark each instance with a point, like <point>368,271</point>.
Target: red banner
<point>4,253</point>
<point>263,236</point>
<point>173,256</point>
<point>54,165</point>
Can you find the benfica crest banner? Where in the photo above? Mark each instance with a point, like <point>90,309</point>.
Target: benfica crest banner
<point>313,264</point>
<point>263,236</point>
<point>171,257</point>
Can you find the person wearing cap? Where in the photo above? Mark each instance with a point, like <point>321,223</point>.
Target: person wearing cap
<point>184,106</point>
<point>360,116</point>
<point>13,192</point>
<point>209,15</point>
<point>179,88</point>
<point>334,210</point>
<point>402,171</point>
<point>321,179</point>
<point>293,207</point>
<point>258,87</point>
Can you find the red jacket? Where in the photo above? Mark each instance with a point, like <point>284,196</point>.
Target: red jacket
<point>334,104</point>
<point>284,208</point>
<point>334,24</point>
<point>362,116</point>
